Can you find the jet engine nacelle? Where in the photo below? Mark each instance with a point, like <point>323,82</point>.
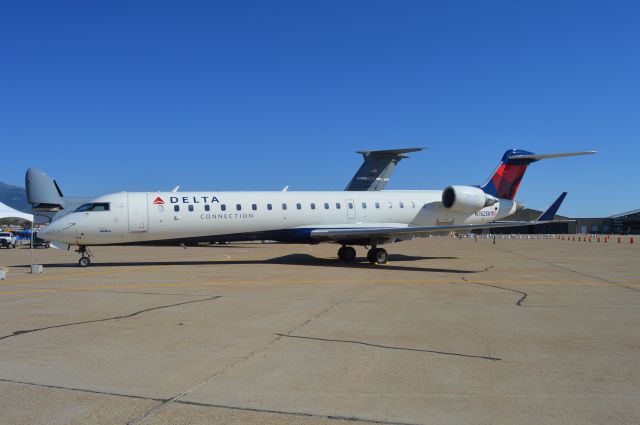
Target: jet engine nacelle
<point>466,199</point>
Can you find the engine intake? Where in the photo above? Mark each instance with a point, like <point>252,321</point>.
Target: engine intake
<point>466,199</point>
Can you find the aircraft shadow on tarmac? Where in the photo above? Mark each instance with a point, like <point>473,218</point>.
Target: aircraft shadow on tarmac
<point>291,259</point>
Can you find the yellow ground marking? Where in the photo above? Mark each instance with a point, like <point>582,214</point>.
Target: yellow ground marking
<point>281,282</point>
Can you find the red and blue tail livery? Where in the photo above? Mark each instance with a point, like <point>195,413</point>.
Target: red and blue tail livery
<point>505,181</point>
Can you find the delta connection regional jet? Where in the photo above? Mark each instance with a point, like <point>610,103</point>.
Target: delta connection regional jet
<point>368,219</point>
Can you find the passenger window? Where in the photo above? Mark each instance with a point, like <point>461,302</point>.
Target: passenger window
<point>238,207</point>
<point>313,206</point>
<point>401,204</point>
<point>377,204</point>
<point>389,205</point>
<point>176,208</point>
<point>254,207</point>
<point>413,205</point>
<point>269,207</point>
<point>223,207</point>
<point>350,205</point>
<point>190,208</point>
<point>364,205</point>
<point>337,205</point>
<point>299,206</point>
<point>207,207</point>
<point>326,205</point>
<point>284,206</point>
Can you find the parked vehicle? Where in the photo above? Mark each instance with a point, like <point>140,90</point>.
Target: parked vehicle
<point>37,242</point>
<point>7,240</point>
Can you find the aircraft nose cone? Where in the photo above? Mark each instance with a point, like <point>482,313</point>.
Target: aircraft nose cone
<point>45,233</point>
<point>52,230</point>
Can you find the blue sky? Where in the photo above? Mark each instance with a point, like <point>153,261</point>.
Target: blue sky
<point>110,96</point>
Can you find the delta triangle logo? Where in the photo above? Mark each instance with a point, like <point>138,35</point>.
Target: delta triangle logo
<point>158,201</point>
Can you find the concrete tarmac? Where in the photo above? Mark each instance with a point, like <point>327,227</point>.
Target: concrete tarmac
<point>449,331</point>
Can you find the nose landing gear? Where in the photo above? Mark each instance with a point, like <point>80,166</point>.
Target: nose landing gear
<point>85,256</point>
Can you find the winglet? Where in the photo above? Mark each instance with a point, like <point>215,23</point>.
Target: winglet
<point>550,212</point>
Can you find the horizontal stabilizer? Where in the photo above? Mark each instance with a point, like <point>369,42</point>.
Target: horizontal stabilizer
<point>391,152</point>
<point>550,155</point>
<point>550,213</point>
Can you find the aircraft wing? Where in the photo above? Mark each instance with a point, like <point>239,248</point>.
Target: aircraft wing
<point>360,233</point>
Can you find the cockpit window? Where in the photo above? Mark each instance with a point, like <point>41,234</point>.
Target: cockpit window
<point>93,206</point>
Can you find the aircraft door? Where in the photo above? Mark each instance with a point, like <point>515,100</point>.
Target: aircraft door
<point>138,209</point>
<point>351,209</point>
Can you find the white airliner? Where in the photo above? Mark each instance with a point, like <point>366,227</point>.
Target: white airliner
<point>367,219</point>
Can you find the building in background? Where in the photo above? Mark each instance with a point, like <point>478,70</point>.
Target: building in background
<point>624,223</point>
<point>627,223</point>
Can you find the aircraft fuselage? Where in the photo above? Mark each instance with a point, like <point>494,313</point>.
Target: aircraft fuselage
<point>184,217</point>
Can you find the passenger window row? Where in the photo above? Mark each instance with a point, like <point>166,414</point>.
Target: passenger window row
<point>312,205</point>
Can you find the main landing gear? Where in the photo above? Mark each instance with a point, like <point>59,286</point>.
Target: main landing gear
<point>347,254</point>
<point>85,256</point>
<point>375,255</point>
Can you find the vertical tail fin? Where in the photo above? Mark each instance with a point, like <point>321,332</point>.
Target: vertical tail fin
<point>505,181</point>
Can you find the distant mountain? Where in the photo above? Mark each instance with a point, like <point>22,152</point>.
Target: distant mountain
<point>15,197</point>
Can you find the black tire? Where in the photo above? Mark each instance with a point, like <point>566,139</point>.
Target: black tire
<point>371,256</point>
<point>349,254</point>
<point>84,261</point>
<point>341,253</point>
<point>381,256</point>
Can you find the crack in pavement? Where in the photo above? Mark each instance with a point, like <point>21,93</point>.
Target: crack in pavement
<point>309,415</point>
<point>518,303</point>
<point>549,263</point>
<point>82,390</point>
<point>368,344</point>
<point>200,404</point>
<point>242,359</point>
<point>126,316</point>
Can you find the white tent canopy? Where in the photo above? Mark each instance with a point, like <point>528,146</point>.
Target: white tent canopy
<point>8,212</point>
